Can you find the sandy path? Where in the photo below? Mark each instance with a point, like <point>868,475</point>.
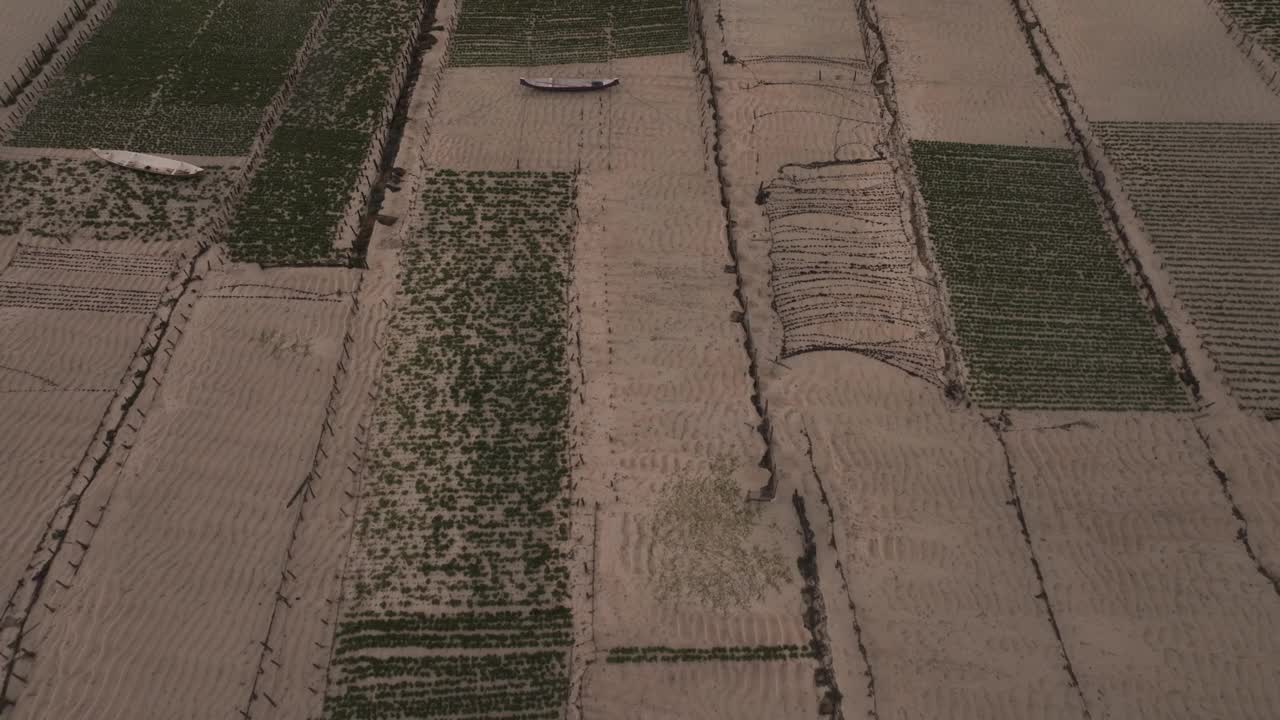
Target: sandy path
<point>1155,60</point>
<point>203,487</point>
<point>1160,608</point>
<point>963,74</point>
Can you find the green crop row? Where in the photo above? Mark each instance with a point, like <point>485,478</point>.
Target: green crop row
<point>466,508</point>
<point>745,653</point>
<point>510,685</point>
<point>546,32</point>
<point>1208,196</point>
<point>295,205</point>
<point>188,78</point>
<point>1044,310</point>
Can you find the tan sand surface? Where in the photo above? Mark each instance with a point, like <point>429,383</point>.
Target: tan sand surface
<point>23,23</point>
<point>763,690</point>
<point>826,29</point>
<point>293,672</point>
<point>935,561</point>
<point>44,434</point>
<point>1160,608</point>
<point>962,73</point>
<point>1247,451</point>
<point>1155,60</point>
<point>204,486</point>
<point>663,372</point>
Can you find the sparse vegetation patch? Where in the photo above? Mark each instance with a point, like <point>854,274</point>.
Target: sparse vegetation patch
<point>90,199</point>
<point>464,511</point>
<point>702,528</point>
<point>752,653</point>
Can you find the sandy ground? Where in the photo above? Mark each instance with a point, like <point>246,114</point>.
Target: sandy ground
<point>1155,60</point>
<point>1161,611</point>
<point>24,24</point>
<point>663,373</point>
<point>236,419</point>
<point>963,74</point>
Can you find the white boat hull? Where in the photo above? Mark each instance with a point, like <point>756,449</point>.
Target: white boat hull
<point>568,85</point>
<point>148,163</point>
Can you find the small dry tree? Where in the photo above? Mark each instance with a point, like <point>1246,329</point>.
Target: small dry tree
<point>702,534</point>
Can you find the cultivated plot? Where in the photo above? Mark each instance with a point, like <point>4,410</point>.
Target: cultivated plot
<point>1208,195</point>
<point>1045,312</point>
<point>1259,18</point>
<point>298,199</point>
<point>456,594</point>
<point>540,32</point>
<point>155,65</point>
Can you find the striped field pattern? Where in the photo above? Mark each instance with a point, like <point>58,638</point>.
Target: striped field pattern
<point>1045,314</point>
<point>1260,18</point>
<point>1209,197</point>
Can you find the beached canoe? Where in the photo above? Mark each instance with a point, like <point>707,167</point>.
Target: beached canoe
<point>148,163</point>
<point>568,85</point>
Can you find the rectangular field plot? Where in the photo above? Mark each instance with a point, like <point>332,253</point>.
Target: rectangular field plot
<point>457,569</point>
<point>189,78</point>
<point>1208,194</point>
<point>1045,313</point>
<point>186,531</point>
<point>540,32</point>
<point>296,202</point>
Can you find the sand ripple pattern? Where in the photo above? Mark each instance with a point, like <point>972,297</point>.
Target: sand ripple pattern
<point>1161,611</point>
<point>843,273</point>
<point>1208,194</point>
<point>170,599</point>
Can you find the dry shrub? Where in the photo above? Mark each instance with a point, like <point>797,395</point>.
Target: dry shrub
<point>702,526</point>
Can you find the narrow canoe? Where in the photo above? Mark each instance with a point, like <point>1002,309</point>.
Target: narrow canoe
<point>148,163</point>
<point>568,85</point>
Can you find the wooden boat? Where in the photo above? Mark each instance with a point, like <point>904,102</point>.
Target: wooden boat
<point>148,163</point>
<point>568,85</point>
